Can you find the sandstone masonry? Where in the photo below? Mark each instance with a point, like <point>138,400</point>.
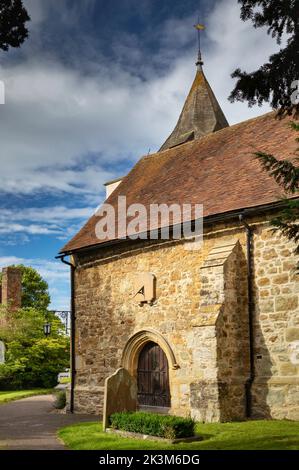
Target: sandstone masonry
<point>201,311</point>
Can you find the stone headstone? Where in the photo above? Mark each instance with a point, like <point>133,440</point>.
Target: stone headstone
<point>2,352</point>
<point>120,394</point>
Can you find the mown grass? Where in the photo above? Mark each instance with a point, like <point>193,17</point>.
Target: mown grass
<point>8,396</point>
<point>250,435</point>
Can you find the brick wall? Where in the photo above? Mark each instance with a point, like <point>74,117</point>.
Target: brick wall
<point>11,288</point>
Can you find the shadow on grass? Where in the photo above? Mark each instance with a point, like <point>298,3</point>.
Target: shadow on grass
<point>226,436</point>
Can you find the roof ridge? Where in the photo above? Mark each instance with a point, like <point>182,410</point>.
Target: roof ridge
<point>213,134</point>
<point>193,142</point>
<point>216,182</point>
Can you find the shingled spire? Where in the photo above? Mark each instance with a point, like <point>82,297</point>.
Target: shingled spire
<point>201,114</point>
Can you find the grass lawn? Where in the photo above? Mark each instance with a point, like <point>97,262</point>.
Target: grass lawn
<point>251,435</point>
<point>18,394</point>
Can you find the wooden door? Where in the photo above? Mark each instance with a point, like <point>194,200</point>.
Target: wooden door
<point>153,377</point>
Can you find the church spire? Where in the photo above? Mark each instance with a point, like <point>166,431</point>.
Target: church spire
<point>201,114</point>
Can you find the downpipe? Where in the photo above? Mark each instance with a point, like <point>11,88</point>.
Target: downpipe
<point>73,330</point>
<point>249,247</point>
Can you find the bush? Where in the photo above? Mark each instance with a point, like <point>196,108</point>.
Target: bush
<point>31,360</point>
<point>170,427</point>
<point>35,366</point>
<point>60,401</point>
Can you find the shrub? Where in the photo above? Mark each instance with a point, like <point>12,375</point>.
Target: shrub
<point>31,360</point>
<point>170,427</point>
<point>60,401</point>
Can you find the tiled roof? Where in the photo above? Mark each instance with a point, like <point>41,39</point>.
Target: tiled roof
<point>217,170</point>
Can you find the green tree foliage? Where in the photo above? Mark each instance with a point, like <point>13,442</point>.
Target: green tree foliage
<point>32,360</point>
<point>286,174</point>
<point>13,19</point>
<point>35,292</point>
<point>272,82</point>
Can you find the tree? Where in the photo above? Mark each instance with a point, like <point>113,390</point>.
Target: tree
<point>35,290</point>
<point>35,293</point>
<point>274,81</point>
<point>286,174</point>
<point>13,19</point>
<point>31,359</point>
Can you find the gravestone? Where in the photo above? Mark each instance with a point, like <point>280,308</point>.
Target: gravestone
<point>120,394</point>
<point>2,352</point>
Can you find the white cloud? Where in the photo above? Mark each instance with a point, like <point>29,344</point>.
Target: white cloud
<point>56,117</point>
<point>63,130</point>
<point>31,229</point>
<point>18,239</point>
<point>235,44</point>
<point>58,221</point>
<point>52,214</point>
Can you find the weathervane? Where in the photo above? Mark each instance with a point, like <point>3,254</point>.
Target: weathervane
<point>199,27</point>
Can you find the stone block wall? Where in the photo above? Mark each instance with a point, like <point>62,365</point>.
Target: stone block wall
<point>223,332</point>
<point>201,311</point>
<point>108,315</point>
<point>233,354</point>
<point>276,325</point>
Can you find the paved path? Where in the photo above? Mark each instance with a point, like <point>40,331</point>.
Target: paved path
<point>31,424</point>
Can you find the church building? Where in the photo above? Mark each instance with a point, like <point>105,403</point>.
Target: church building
<point>211,333</point>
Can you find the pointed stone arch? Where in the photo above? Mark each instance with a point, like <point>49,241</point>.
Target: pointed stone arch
<point>136,343</point>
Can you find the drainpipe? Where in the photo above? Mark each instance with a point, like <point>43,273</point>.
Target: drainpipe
<point>249,382</point>
<point>73,329</point>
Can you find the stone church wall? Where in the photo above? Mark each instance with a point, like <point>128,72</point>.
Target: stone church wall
<point>201,311</point>
<point>223,316</point>
<point>276,385</point>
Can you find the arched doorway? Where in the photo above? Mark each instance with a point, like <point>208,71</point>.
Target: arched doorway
<point>153,377</point>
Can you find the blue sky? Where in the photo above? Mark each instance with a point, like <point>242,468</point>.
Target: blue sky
<point>97,85</point>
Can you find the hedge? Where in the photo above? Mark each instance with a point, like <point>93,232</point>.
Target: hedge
<point>169,427</point>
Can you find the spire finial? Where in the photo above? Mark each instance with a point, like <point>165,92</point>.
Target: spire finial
<point>199,27</point>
